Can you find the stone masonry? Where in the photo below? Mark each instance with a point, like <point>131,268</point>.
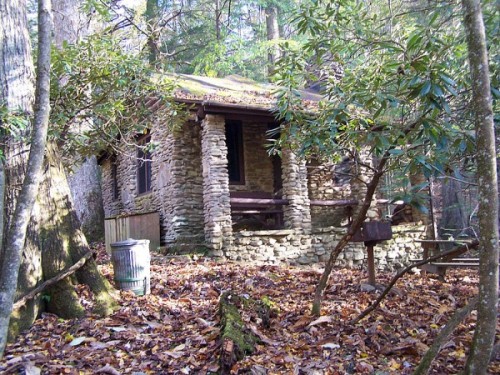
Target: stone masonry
<point>297,213</point>
<point>176,186</point>
<point>329,181</point>
<point>217,208</point>
<point>190,190</point>
<point>180,174</point>
<point>286,246</point>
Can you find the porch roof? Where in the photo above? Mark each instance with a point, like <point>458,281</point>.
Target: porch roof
<point>232,94</point>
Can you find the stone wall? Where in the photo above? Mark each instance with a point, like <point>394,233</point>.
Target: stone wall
<point>289,246</point>
<point>190,190</point>
<point>328,182</point>
<point>258,167</point>
<point>176,183</point>
<point>181,182</point>
<point>273,246</point>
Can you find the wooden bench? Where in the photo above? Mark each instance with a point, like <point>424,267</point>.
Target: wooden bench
<point>259,205</point>
<point>439,267</point>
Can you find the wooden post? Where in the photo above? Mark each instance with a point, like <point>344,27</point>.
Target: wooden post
<point>371,262</point>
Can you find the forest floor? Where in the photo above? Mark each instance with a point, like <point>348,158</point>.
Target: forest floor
<point>175,329</point>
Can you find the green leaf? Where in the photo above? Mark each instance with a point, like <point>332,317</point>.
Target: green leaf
<point>421,159</point>
<point>495,92</point>
<point>396,152</point>
<point>447,79</point>
<point>437,90</point>
<point>425,88</point>
<point>413,42</point>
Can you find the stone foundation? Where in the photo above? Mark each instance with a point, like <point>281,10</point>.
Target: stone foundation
<point>191,192</point>
<point>290,246</point>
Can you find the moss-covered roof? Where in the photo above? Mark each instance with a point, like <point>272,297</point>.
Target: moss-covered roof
<point>232,90</point>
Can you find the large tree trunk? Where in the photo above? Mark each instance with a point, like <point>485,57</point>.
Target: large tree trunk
<point>84,177</point>
<point>273,34</point>
<point>85,185</point>
<point>152,24</point>
<point>55,232</point>
<point>69,22</point>
<point>452,220</point>
<point>14,21</point>
<point>63,241</point>
<point>484,333</point>
<point>64,244</point>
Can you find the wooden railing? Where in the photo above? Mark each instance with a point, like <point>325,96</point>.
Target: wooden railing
<point>263,205</point>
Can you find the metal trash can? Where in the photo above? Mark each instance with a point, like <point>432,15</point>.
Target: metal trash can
<point>131,260</point>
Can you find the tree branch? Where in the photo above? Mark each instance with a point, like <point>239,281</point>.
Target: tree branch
<point>22,301</point>
<point>455,320</point>
<point>456,251</point>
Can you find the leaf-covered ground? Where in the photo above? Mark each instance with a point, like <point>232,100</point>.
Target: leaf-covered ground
<point>174,330</point>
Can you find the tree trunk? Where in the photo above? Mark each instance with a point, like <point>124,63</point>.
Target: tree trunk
<point>69,22</point>
<point>55,238</point>
<point>452,220</point>
<point>151,20</point>
<point>85,186</point>
<point>2,205</point>
<point>84,179</point>
<point>273,34</point>
<point>237,340</point>
<point>64,244</point>
<point>30,276</point>
<point>16,233</point>
<point>484,333</point>
<point>218,15</point>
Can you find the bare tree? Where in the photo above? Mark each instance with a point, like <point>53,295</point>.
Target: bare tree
<point>273,34</point>
<point>16,232</point>
<point>484,334</point>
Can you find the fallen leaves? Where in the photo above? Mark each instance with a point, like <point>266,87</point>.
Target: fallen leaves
<point>321,320</point>
<point>175,329</point>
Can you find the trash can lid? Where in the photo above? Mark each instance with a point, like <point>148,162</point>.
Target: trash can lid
<point>129,242</point>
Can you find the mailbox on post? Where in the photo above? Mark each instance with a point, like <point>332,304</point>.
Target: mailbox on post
<point>371,233</point>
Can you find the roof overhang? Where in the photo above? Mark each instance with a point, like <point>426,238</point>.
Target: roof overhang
<point>229,110</point>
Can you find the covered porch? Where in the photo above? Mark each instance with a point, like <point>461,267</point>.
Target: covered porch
<point>244,188</point>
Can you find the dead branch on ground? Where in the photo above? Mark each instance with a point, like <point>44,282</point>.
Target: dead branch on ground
<point>456,251</point>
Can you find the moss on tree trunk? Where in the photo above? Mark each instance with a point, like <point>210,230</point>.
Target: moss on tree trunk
<point>30,274</point>
<point>63,244</point>
<point>237,340</point>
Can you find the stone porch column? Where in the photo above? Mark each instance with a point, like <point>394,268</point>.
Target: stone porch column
<point>359,188</point>
<point>217,207</point>
<point>297,214</point>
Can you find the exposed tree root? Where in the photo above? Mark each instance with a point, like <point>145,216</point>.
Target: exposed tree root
<point>40,288</point>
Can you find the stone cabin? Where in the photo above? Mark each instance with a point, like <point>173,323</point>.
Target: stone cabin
<point>212,184</point>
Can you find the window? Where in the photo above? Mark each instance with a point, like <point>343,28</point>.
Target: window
<point>114,178</point>
<point>234,141</point>
<point>143,165</point>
